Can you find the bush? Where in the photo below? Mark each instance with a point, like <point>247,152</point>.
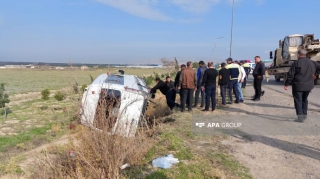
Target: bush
<point>163,75</point>
<point>75,89</point>
<point>149,80</point>
<point>59,96</point>
<point>83,87</point>
<point>45,94</point>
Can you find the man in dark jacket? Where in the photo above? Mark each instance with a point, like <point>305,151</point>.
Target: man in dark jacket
<point>165,90</point>
<point>176,82</point>
<point>209,84</point>
<point>171,86</point>
<point>301,76</point>
<point>224,78</point>
<point>258,73</point>
<point>200,74</point>
<point>187,83</point>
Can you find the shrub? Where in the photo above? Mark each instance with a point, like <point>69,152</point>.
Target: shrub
<point>149,80</point>
<point>83,87</point>
<point>163,75</point>
<point>45,94</point>
<point>59,96</point>
<point>75,89</point>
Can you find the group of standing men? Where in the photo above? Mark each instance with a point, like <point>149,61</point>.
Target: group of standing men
<point>232,77</point>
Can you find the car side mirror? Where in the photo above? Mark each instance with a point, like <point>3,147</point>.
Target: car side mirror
<point>271,56</point>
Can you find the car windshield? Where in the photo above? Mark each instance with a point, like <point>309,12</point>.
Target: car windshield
<point>295,41</point>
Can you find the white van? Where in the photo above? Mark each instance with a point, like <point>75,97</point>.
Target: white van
<point>253,65</point>
<point>127,97</point>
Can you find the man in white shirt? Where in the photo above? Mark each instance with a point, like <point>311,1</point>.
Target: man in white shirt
<point>242,76</point>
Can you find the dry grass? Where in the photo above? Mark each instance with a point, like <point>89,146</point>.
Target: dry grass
<point>97,152</point>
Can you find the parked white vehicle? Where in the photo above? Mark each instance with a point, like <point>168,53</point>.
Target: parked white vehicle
<point>253,65</point>
<point>128,95</point>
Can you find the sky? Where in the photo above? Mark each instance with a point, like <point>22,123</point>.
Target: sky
<point>144,31</point>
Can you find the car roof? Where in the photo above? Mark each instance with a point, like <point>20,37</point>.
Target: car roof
<point>130,81</point>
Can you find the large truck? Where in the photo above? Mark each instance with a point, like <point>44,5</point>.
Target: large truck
<point>286,54</point>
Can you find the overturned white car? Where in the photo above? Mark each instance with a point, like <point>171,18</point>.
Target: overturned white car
<point>115,101</point>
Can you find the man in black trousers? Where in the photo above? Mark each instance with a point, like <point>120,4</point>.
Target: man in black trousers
<point>187,83</point>
<point>301,76</point>
<point>258,73</point>
<point>224,78</point>
<point>209,84</point>
<point>176,82</point>
<point>165,90</point>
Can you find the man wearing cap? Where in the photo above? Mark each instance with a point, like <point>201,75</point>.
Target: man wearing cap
<point>200,74</point>
<point>234,70</point>
<point>187,83</point>
<point>301,76</point>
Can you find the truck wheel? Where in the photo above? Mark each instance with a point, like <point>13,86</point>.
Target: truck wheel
<point>277,77</point>
<point>317,82</point>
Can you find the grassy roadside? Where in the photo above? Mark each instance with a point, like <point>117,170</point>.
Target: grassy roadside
<point>200,156</point>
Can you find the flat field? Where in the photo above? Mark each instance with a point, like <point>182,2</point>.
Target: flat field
<point>34,80</point>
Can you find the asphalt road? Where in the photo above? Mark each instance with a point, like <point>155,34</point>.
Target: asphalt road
<point>314,96</point>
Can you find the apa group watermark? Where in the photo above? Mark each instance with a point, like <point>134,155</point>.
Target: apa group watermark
<point>230,125</point>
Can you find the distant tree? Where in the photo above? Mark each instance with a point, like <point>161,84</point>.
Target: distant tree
<point>195,65</point>
<point>4,98</point>
<point>168,64</point>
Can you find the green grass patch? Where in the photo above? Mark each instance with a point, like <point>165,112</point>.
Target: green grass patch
<point>7,142</point>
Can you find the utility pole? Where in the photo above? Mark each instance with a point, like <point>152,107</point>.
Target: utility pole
<point>231,29</point>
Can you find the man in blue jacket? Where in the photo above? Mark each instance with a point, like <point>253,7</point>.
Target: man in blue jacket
<point>200,74</point>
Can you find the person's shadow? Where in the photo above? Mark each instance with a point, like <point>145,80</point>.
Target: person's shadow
<point>295,148</point>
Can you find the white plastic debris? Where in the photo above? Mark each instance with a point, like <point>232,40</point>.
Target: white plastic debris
<point>165,162</point>
<point>124,166</point>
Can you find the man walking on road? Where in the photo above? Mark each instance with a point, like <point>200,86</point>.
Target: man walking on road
<point>200,74</point>
<point>258,73</point>
<point>224,78</point>
<point>301,76</point>
<point>209,84</point>
<point>187,83</point>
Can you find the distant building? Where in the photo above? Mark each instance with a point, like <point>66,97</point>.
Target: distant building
<point>84,67</point>
<point>59,68</point>
<point>15,66</point>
